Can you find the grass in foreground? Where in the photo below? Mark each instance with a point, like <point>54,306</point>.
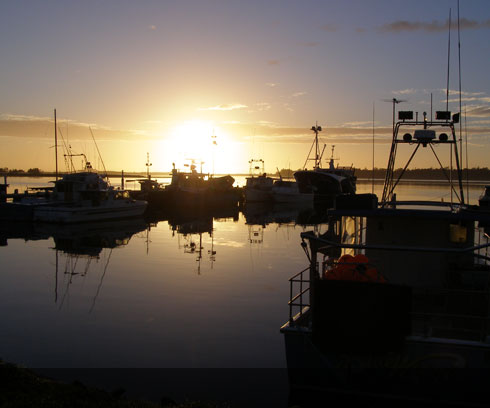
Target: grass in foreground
<point>21,387</point>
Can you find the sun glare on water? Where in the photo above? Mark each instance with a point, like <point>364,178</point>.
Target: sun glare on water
<point>204,143</point>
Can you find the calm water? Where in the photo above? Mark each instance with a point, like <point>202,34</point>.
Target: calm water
<point>179,292</point>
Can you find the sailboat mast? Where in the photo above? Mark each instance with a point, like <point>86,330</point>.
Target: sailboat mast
<point>56,144</point>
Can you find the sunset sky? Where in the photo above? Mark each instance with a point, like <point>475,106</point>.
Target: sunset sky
<point>164,76</point>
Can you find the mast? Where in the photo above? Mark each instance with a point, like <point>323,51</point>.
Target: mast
<point>317,129</point>
<point>373,151</point>
<point>460,110</point>
<point>148,164</point>
<point>55,144</point>
<point>448,60</point>
<point>100,156</point>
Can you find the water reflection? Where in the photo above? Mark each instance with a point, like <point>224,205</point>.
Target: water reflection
<point>191,226</point>
<point>285,213</point>
<point>190,233</point>
<point>78,248</point>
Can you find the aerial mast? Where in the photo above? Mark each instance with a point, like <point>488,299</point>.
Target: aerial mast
<point>56,144</point>
<point>148,164</point>
<point>317,129</point>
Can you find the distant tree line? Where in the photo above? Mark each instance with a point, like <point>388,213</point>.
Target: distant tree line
<point>19,172</point>
<point>476,173</point>
<point>36,172</point>
<point>285,173</point>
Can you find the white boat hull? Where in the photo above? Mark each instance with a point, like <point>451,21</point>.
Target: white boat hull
<point>65,214</point>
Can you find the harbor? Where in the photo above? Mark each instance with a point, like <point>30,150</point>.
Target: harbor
<point>193,267</point>
<point>245,204</point>
<point>205,246</point>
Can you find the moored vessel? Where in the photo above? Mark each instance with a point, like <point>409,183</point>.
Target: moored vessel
<point>258,187</point>
<point>324,183</point>
<point>85,196</point>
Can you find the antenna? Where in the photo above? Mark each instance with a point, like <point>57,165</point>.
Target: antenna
<point>56,145</point>
<point>373,150</point>
<point>69,164</point>
<point>317,159</point>
<point>460,122</point>
<point>394,101</point>
<point>214,143</point>
<point>448,55</point>
<point>148,164</point>
<point>431,106</point>
<point>102,161</point>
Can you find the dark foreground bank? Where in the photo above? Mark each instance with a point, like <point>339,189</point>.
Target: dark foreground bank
<point>21,387</point>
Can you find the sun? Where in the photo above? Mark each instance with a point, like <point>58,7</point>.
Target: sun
<point>206,144</point>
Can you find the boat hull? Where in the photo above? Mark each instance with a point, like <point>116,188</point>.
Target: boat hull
<point>16,212</point>
<point>67,214</point>
<point>429,370</point>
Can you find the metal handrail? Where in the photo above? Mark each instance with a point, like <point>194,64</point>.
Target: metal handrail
<point>318,244</point>
<point>302,291</point>
<point>397,247</point>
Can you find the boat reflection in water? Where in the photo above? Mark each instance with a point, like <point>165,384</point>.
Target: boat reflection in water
<point>299,213</point>
<point>190,226</point>
<point>190,233</point>
<point>79,248</point>
<point>82,247</point>
<point>388,304</point>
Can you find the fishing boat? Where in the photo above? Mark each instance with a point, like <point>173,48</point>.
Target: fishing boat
<point>395,292</point>
<point>324,182</point>
<point>258,187</point>
<point>190,189</point>
<point>196,183</point>
<point>197,189</point>
<point>382,316</point>
<point>84,197</point>
<point>147,184</point>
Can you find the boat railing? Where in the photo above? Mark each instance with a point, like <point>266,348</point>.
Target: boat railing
<point>475,248</point>
<point>474,326</point>
<point>299,302</point>
<point>395,203</point>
